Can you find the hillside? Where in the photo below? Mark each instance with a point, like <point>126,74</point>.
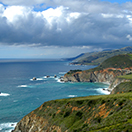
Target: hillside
<point>93,114</point>
<point>96,58</point>
<point>105,72</point>
<point>119,61</point>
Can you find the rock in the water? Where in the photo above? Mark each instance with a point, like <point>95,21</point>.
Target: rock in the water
<point>34,78</point>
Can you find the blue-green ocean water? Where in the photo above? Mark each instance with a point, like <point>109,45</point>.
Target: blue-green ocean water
<point>20,94</point>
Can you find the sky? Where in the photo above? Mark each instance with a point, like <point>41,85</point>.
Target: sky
<point>63,28</point>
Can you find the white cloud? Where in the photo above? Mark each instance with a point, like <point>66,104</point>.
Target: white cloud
<point>129,37</point>
<point>73,15</point>
<point>13,13</point>
<point>75,23</point>
<point>1,8</point>
<point>51,13</point>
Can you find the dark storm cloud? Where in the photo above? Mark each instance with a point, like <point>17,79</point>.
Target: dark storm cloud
<point>76,23</point>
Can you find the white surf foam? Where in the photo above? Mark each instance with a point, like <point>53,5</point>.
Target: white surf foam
<point>62,72</point>
<point>72,96</point>
<point>22,86</point>
<point>105,91</point>
<point>25,86</point>
<point>7,127</point>
<point>48,76</point>
<point>4,94</point>
<point>40,79</point>
<point>59,80</point>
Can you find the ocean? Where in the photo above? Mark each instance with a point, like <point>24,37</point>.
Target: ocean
<point>19,94</point>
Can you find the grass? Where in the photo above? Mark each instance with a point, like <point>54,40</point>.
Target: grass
<point>128,76</point>
<point>92,113</point>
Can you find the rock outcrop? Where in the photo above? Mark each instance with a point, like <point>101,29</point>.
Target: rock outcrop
<point>108,75</point>
<point>105,75</point>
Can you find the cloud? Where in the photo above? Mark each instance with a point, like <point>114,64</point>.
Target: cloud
<point>79,23</point>
<point>129,37</point>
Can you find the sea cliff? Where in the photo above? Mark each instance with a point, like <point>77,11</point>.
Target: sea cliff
<point>107,75</point>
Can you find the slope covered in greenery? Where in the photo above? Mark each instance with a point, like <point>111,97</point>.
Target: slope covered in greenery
<point>94,114</point>
<point>96,58</point>
<point>119,61</point>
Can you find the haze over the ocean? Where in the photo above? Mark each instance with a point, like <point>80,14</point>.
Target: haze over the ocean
<point>63,28</point>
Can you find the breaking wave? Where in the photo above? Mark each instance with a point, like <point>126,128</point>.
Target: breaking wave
<point>7,127</point>
<point>4,94</point>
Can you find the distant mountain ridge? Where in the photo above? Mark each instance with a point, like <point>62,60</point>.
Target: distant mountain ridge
<point>96,58</point>
<point>73,58</point>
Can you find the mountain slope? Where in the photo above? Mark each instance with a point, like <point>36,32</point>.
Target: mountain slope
<point>119,61</point>
<point>97,58</point>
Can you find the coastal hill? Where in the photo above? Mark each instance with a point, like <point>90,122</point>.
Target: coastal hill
<point>105,72</point>
<point>94,113</point>
<point>96,58</point>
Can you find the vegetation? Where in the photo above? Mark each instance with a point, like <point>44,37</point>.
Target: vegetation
<point>119,61</point>
<point>123,87</point>
<point>73,71</point>
<point>94,113</point>
<point>96,58</point>
<point>128,76</point>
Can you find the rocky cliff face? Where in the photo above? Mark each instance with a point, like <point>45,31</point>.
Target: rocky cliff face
<point>105,75</point>
<point>36,123</point>
<point>116,82</point>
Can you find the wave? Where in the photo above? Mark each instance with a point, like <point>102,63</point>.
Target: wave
<point>4,94</point>
<point>23,86</point>
<point>62,73</point>
<point>38,79</point>
<point>103,91</point>
<point>72,96</point>
<point>7,127</point>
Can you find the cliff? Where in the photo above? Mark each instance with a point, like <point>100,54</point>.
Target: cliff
<point>93,113</point>
<point>105,75</point>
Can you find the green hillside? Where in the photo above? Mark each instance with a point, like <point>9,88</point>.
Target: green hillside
<point>96,58</point>
<point>119,61</point>
<point>94,113</point>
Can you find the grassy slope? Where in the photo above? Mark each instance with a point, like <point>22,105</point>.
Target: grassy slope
<point>97,58</point>
<point>93,113</point>
<point>119,61</point>
<point>128,76</point>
